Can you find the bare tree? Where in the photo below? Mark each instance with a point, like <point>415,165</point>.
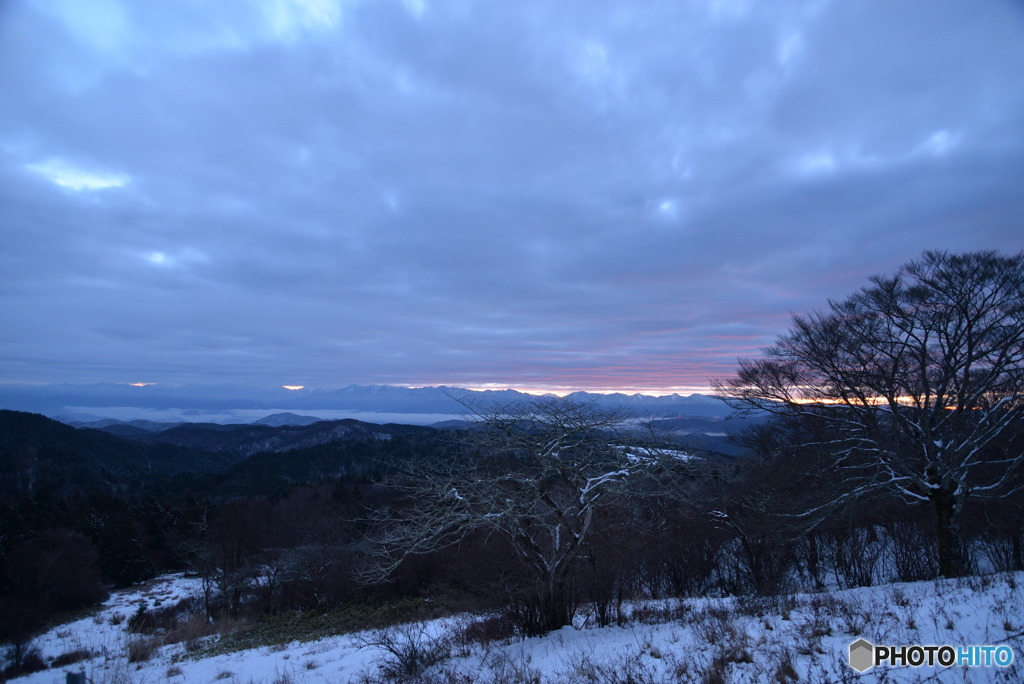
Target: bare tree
<point>534,474</point>
<point>917,381</point>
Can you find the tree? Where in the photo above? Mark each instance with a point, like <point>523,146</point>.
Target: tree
<point>916,381</point>
<point>533,474</point>
<point>55,570</point>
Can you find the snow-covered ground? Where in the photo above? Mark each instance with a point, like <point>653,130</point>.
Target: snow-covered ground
<point>803,637</point>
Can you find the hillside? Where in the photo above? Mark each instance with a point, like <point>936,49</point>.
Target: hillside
<point>788,638</point>
<point>40,454</point>
<point>253,438</point>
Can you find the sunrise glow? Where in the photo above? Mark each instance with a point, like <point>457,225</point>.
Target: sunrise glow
<point>561,390</point>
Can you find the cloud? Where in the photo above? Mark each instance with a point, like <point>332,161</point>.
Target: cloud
<point>60,172</point>
<point>467,192</point>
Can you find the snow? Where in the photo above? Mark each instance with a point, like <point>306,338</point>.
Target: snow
<point>666,640</point>
<point>105,630</point>
<point>643,455</point>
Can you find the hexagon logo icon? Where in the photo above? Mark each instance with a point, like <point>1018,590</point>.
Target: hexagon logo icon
<point>862,655</point>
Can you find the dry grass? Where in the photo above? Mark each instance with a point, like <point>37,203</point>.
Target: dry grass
<point>71,657</point>
<point>142,649</point>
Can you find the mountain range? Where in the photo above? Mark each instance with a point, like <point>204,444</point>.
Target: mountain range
<point>41,454</point>
<point>254,438</point>
<point>236,404</point>
<point>38,454</point>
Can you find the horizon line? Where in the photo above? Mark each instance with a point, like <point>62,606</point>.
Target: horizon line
<point>296,386</point>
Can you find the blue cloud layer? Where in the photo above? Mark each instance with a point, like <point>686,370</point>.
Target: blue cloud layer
<point>570,194</point>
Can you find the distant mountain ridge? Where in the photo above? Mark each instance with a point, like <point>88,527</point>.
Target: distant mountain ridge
<point>281,419</point>
<point>61,400</point>
<point>249,439</point>
<point>40,454</point>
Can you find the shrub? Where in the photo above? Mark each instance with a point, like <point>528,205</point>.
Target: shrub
<point>914,557</point>
<point>626,669</point>
<point>72,657</point>
<point>410,650</point>
<point>29,661</point>
<point>165,618</point>
<point>142,649</point>
<point>487,630</point>
<point>508,670</point>
<point>658,613</point>
<point>194,629</point>
<point>786,671</point>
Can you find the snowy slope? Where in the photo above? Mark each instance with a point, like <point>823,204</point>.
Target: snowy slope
<point>744,640</point>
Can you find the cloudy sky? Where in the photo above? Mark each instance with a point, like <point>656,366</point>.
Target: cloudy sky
<point>559,194</point>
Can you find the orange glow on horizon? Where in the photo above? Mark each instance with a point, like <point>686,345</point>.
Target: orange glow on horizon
<point>870,401</point>
<point>561,390</point>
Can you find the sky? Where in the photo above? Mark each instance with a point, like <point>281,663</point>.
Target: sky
<point>538,194</point>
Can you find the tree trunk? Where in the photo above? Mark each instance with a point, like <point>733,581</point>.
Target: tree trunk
<point>556,610</point>
<point>543,610</point>
<point>947,533</point>
<point>1018,551</point>
<point>813,561</point>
